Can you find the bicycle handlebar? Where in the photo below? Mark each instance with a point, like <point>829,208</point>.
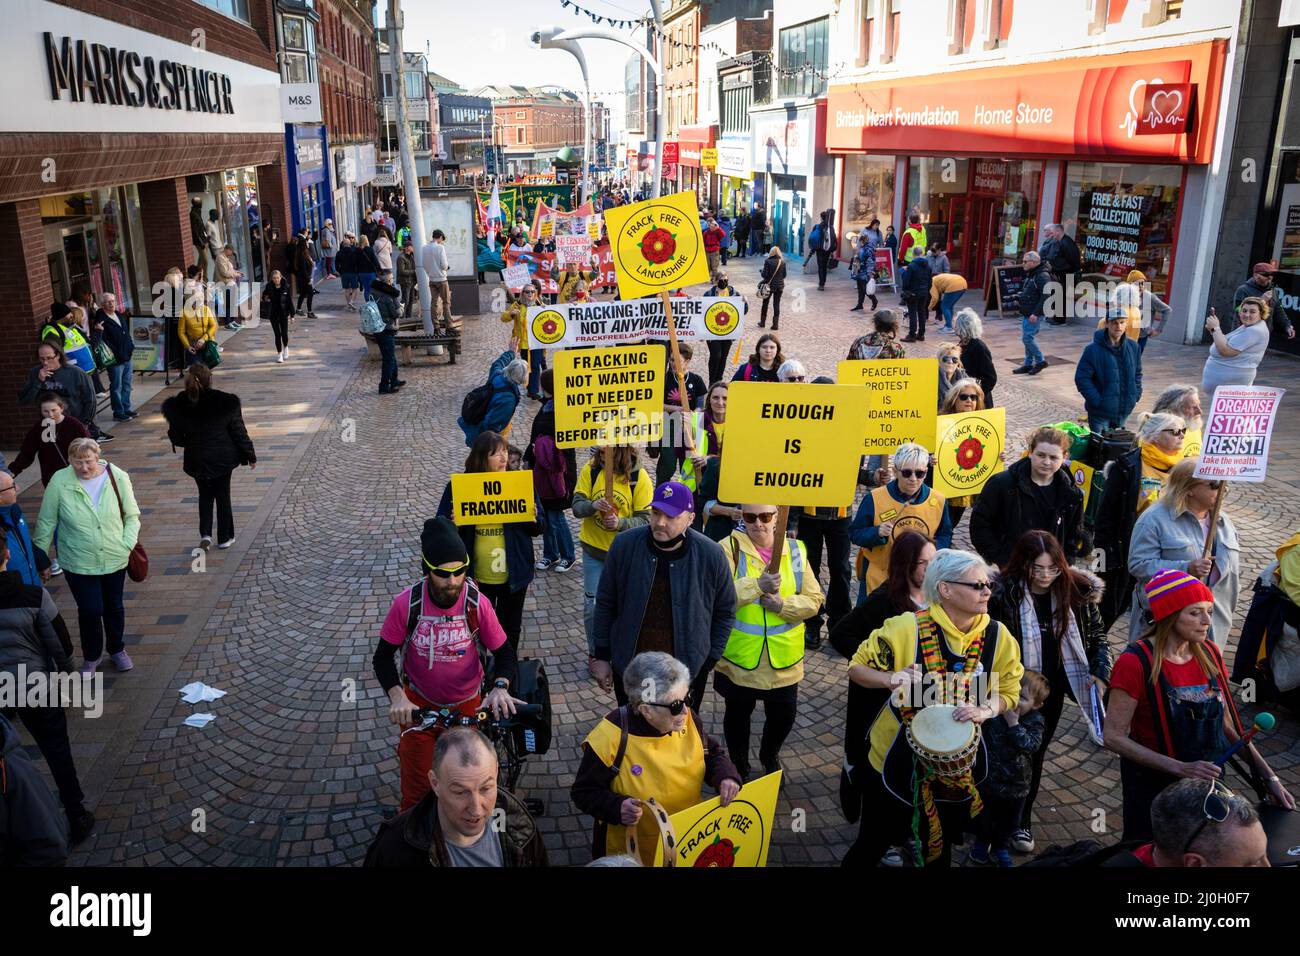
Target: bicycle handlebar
<point>433,717</point>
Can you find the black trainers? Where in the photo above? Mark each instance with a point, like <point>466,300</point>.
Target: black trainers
<point>812,640</point>
<point>80,827</point>
<point>1023,370</point>
<point>104,438</point>
<point>1037,368</point>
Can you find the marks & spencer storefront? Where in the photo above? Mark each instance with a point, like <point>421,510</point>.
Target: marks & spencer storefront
<point>1104,145</point>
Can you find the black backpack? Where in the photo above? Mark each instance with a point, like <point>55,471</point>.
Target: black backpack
<point>474,407</point>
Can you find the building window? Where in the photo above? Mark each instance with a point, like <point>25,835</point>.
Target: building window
<point>231,8</point>
<point>1162,10</point>
<point>296,68</point>
<point>961,26</point>
<point>997,27</point>
<point>1099,15</point>
<point>866,30</point>
<point>893,27</point>
<point>803,52</point>
<point>295,33</point>
<point>388,85</point>
<point>735,109</point>
<point>519,135</point>
<point>415,86</point>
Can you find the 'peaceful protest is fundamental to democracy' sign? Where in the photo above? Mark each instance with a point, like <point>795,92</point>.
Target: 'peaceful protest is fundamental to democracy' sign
<point>611,396</point>
<point>901,407</point>
<point>791,444</point>
<point>492,497</point>
<point>616,323</point>
<point>658,245</point>
<point>1238,431</point>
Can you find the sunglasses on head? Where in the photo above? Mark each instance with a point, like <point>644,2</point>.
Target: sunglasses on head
<point>1215,809</point>
<point>675,708</point>
<point>752,517</point>
<point>909,473</point>
<point>447,572</point>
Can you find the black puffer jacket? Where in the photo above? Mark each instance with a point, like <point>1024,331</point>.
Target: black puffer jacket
<point>1116,516</point>
<point>1008,594</point>
<point>277,302</point>
<point>211,431</point>
<point>1003,512</point>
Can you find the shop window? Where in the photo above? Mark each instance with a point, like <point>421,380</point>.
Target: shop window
<point>868,195</point>
<point>1122,215</point>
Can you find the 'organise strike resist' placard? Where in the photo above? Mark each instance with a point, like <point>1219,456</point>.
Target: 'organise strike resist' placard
<point>1238,431</point>
<point>609,396</point>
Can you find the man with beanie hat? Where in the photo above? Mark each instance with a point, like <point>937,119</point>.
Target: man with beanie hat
<point>443,628</point>
<point>1171,713</point>
<point>665,587</point>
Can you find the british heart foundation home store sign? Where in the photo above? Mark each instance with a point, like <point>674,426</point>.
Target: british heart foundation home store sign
<point>1098,106</point>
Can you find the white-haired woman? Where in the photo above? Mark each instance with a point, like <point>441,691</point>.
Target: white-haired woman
<point>899,670</point>
<point>792,370</point>
<point>975,356</point>
<point>506,376</point>
<point>1184,400</point>
<point>1133,483</point>
<point>1170,535</point>
<point>654,746</point>
<point>92,507</point>
<point>906,503</point>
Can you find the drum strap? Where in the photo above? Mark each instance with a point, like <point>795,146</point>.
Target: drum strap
<point>929,634</point>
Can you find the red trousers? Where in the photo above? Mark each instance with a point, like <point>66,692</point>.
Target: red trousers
<point>415,750</point>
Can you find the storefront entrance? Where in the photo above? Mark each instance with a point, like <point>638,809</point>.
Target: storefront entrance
<point>91,246</point>
<point>789,213</point>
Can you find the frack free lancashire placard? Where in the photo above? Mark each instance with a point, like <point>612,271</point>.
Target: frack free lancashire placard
<point>492,497</point>
<point>969,451</point>
<point>710,835</point>
<point>658,245</point>
<point>790,444</point>
<point>611,396</point>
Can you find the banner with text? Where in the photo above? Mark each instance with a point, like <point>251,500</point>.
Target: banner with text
<point>793,444</point>
<point>711,835</point>
<point>540,265</point>
<point>566,325</point>
<point>609,396</point>
<point>1238,431</point>
<point>492,497</point>
<point>573,249</point>
<point>969,451</point>
<point>902,403</point>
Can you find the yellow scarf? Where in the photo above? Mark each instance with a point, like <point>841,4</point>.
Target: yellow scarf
<point>1161,460</point>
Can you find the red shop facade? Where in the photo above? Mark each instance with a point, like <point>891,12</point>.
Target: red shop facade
<point>1102,145</point>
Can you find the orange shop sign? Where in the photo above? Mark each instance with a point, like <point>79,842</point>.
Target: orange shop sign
<point>1094,106</point>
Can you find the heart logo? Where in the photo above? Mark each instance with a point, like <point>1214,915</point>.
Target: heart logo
<point>1173,99</point>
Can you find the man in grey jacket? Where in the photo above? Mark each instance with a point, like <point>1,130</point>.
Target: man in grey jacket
<point>665,588</point>
<point>434,262</point>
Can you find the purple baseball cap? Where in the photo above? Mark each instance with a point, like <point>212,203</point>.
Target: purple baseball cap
<point>672,498</point>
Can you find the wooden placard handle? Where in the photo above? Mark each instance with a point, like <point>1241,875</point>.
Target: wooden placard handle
<point>778,538</point>
<point>1214,520</point>
<point>609,474</point>
<point>680,371</point>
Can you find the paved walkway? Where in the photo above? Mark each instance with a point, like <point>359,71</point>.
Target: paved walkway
<point>299,766</point>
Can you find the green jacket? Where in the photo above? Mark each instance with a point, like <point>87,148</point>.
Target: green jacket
<point>91,541</point>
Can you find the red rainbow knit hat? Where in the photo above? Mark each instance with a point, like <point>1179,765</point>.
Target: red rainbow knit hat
<point>1171,591</point>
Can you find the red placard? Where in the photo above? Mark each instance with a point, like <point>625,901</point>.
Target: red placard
<point>541,266</point>
<point>670,153</point>
<point>1166,108</point>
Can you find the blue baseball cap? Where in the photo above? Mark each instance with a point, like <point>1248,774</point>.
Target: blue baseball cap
<point>672,498</point>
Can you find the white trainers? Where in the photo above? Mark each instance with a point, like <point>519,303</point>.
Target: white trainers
<point>280,358</point>
<point>285,354</point>
<point>225,544</point>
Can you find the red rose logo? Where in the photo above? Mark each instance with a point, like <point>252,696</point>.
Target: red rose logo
<point>549,327</point>
<point>658,246</point>
<point>718,853</point>
<point>969,454</point>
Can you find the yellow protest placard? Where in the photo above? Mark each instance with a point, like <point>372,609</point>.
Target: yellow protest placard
<point>492,497</point>
<point>1082,475</point>
<point>903,400</point>
<point>709,157</point>
<point>739,834</point>
<point>657,245</point>
<point>969,451</point>
<point>791,444</point>
<point>609,396</point>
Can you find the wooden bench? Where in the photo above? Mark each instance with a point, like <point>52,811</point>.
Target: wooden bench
<point>406,341</point>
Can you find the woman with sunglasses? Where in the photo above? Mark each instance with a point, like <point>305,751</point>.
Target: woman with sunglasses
<point>763,660</point>
<point>653,746</point>
<point>914,660</point>
<point>964,395</point>
<point>949,369</point>
<point>1171,534</point>
<point>1052,612</point>
<point>517,314</point>
<point>1170,709</point>
<point>1132,483</point>
<point>906,503</point>
<point>764,364</point>
<point>500,555</point>
<point>1036,493</point>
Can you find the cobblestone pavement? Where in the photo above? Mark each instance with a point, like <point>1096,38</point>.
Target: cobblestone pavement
<point>299,766</point>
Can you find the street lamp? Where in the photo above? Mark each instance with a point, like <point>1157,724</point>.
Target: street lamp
<point>553,38</point>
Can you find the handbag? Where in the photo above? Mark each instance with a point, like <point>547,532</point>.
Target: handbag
<point>764,290</point>
<point>104,357</point>
<point>137,564</point>
<point>210,355</point>
<point>871,285</point>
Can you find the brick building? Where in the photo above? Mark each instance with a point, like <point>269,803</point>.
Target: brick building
<point>345,53</point>
<point>533,124</point>
<point>130,111</point>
